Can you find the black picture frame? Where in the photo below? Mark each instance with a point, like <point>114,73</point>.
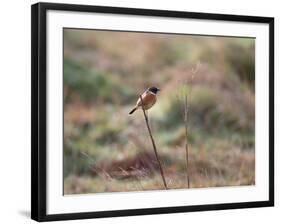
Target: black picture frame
<point>39,107</point>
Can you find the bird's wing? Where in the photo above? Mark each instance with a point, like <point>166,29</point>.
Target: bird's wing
<point>143,98</point>
<point>138,102</point>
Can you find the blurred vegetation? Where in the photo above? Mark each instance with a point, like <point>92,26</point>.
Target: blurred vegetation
<point>105,149</point>
<point>91,85</point>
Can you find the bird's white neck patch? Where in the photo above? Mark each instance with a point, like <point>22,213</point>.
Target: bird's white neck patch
<point>152,93</point>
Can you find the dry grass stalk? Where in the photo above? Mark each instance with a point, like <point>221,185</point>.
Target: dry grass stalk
<point>193,72</point>
<point>154,146</point>
<point>186,137</point>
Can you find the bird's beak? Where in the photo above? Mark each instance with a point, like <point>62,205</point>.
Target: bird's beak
<point>158,89</point>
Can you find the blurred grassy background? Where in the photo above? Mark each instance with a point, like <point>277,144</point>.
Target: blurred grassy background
<point>106,150</point>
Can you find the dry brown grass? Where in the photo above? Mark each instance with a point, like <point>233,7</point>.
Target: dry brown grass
<point>212,168</point>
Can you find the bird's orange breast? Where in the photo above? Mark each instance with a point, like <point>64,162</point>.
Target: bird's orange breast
<point>148,100</point>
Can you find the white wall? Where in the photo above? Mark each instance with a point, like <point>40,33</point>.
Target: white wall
<point>15,110</point>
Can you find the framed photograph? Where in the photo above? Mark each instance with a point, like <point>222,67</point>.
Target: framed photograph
<point>140,111</point>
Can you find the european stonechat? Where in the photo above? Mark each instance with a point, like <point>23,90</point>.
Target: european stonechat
<point>148,99</point>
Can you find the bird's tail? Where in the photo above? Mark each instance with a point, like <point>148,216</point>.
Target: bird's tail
<point>133,110</point>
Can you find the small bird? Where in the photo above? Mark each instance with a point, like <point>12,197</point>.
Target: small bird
<point>148,99</point>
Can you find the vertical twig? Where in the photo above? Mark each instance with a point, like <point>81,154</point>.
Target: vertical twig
<point>153,144</point>
<point>186,136</point>
<point>185,103</point>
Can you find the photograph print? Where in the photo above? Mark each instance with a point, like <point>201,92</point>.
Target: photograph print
<point>157,111</point>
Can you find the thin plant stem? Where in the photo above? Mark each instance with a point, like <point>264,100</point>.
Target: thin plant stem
<point>153,144</point>
<point>186,136</point>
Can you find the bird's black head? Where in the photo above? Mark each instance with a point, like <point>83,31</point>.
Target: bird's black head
<point>153,89</point>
